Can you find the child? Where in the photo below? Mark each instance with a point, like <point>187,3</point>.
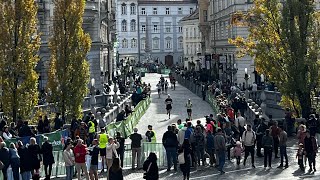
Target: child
<point>300,155</point>
<point>237,152</point>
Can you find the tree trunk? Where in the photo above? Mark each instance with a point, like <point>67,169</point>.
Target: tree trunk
<point>305,103</point>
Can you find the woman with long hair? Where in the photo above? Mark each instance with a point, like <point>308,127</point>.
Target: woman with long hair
<point>185,168</point>
<point>68,157</point>
<point>116,170</point>
<point>151,167</point>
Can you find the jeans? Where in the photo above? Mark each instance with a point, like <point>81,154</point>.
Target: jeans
<point>136,154</point>
<point>26,175</point>
<point>15,164</point>
<point>222,159</point>
<point>283,153</point>
<point>171,156</point>
<point>200,155</point>
<point>267,156</point>
<point>276,145</point>
<point>69,172</point>
<point>247,150</point>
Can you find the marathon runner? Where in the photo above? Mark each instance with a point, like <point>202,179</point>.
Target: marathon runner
<point>168,102</point>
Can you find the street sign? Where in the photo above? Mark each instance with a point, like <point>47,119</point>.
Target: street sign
<point>222,59</point>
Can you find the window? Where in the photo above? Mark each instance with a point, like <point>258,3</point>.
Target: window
<point>124,43</point>
<point>167,11</point>
<point>143,44</point>
<point>180,43</point>
<point>155,11</point>
<point>155,43</point>
<point>155,28</point>
<point>168,43</point>
<point>168,27</point>
<point>187,33</point>
<point>133,43</point>
<point>132,8</point>
<point>191,10</point>
<point>180,29</point>
<point>124,26</point>
<point>143,28</point>
<point>179,10</point>
<point>205,15</point>
<point>194,32</point>
<point>133,25</point>
<point>123,9</point>
<point>143,11</point>
<point>187,49</point>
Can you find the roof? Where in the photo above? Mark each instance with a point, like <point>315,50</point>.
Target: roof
<point>193,16</point>
<point>167,1</point>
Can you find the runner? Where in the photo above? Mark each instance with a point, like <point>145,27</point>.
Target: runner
<point>159,88</point>
<point>166,84</point>
<point>189,108</point>
<point>168,102</point>
<point>162,83</point>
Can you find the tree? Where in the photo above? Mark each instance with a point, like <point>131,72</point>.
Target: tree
<point>284,40</point>
<point>69,69</point>
<point>19,45</point>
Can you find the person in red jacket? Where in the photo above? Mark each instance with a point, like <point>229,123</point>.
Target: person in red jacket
<point>80,152</point>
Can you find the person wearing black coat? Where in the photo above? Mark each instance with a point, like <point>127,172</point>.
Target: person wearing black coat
<point>170,142</point>
<point>115,170</point>
<point>48,158</point>
<point>40,126</point>
<point>35,157</point>
<point>25,130</point>
<point>186,149</point>
<point>151,167</point>
<point>4,158</point>
<point>25,159</point>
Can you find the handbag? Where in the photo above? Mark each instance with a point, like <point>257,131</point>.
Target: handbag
<point>145,175</point>
<point>181,159</point>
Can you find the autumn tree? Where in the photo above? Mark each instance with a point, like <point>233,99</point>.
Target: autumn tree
<point>19,45</point>
<point>69,45</point>
<point>284,41</point>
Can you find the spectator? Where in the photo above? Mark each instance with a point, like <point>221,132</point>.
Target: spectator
<point>82,132</point>
<point>92,130</point>
<point>136,147</point>
<point>121,116</point>
<point>25,159</point>
<point>57,122</point>
<point>128,110</point>
<point>220,147</point>
<point>283,137</point>
<point>102,123</point>
<point>248,140</point>
<point>240,122</point>
<point>301,133</point>
<point>181,134</point>
<point>199,141</point>
<point>185,167</point>
<point>170,142</point>
<point>312,125</point>
<point>25,130</point>
<point>115,170</point>
<point>40,126</point>
<point>151,167</point>
<point>73,127</point>
<point>6,134</point>
<point>121,148</point>
<point>210,147</point>
<point>14,161</point>
<point>48,158</point>
<point>275,133</point>
<point>13,129</point>
<point>151,135</point>
<point>80,151</point>
<point>68,157</point>
<point>112,147</point>
<point>103,140</point>
<point>310,148</point>
<point>94,153</point>
<point>261,129</point>
<point>46,125</point>
<point>267,144</point>
<point>4,158</point>
<point>35,155</point>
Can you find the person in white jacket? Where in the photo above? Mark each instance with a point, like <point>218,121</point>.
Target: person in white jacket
<point>111,149</point>
<point>181,134</point>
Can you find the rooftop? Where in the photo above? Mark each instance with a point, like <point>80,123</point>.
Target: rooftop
<point>193,16</point>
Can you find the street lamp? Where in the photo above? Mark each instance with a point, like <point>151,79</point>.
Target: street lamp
<point>262,82</point>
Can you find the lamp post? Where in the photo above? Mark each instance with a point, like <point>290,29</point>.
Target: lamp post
<point>263,96</point>
<point>246,78</point>
<point>92,97</point>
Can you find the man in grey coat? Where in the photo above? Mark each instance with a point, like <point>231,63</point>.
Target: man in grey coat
<point>220,147</point>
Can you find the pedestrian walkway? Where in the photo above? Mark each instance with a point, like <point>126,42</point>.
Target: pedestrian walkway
<point>156,114</point>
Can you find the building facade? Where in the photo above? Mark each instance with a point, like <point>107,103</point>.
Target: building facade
<point>192,48</point>
<point>151,33</point>
<point>98,21</point>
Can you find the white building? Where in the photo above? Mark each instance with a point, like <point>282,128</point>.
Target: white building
<point>97,21</point>
<point>192,41</point>
<point>149,30</point>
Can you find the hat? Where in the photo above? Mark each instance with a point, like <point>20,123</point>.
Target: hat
<point>300,144</point>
